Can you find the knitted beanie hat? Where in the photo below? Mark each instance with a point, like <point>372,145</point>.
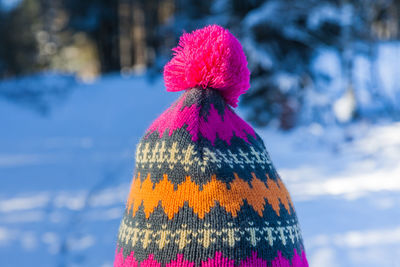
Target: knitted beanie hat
<point>205,192</point>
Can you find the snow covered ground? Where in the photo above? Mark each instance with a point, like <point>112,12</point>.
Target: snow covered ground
<point>64,178</point>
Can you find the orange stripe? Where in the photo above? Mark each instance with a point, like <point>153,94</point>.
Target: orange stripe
<point>201,201</point>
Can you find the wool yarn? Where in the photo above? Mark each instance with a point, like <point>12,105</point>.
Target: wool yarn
<point>204,191</point>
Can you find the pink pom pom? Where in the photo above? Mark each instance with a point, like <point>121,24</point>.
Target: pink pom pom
<point>209,57</point>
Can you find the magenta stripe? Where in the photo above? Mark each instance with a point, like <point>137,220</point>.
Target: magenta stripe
<point>218,261</point>
<point>225,127</point>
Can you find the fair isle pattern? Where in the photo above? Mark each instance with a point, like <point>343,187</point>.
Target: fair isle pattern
<point>160,155</point>
<point>224,127</point>
<point>201,201</point>
<point>205,193</point>
<point>218,261</point>
<point>205,236</point>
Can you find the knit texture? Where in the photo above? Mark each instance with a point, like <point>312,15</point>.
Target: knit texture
<point>205,192</point>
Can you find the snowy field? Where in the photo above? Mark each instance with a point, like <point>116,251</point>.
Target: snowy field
<point>64,178</point>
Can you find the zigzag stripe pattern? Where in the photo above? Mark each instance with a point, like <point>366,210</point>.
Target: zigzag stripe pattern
<point>205,192</point>
<point>225,127</point>
<point>201,201</point>
<point>218,260</point>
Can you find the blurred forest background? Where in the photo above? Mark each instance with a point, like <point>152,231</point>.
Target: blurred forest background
<point>285,41</point>
<point>80,81</point>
